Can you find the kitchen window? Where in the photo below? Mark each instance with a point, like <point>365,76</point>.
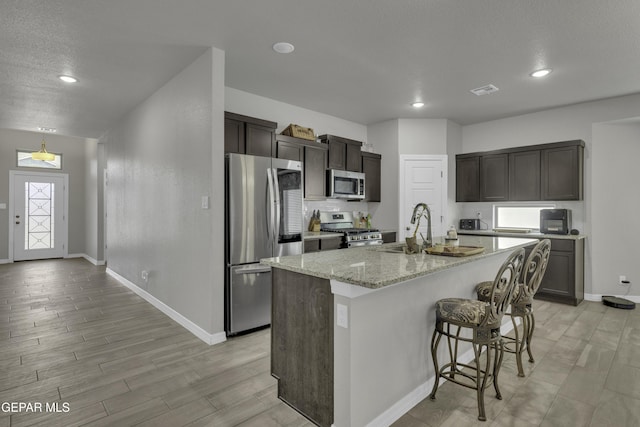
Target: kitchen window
<point>519,216</point>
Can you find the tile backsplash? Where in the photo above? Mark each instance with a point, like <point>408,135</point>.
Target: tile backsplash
<point>333,205</point>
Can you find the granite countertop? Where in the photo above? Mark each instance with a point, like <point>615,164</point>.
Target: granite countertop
<point>532,235</point>
<point>379,266</point>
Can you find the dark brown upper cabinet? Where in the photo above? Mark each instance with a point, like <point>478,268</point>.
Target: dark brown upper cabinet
<point>494,177</point>
<point>249,135</point>
<point>532,173</point>
<point>344,153</point>
<point>372,168</point>
<point>562,173</point>
<point>524,175</point>
<point>314,157</point>
<point>467,178</point>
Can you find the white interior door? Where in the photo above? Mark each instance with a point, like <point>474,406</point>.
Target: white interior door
<point>423,179</point>
<point>38,216</point>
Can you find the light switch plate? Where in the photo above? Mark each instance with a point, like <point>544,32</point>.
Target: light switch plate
<point>3,206</point>
<point>205,202</point>
<point>342,316</point>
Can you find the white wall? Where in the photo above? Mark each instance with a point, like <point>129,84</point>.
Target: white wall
<point>384,137</point>
<point>73,163</point>
<point>162,158</point>
<point>561,124</point>
<point>422,136</point>
<point>616,150</point>
<point>248,104</point>
<point>91,199</point>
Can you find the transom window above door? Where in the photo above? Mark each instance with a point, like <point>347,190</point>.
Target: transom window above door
<point>24,160</point>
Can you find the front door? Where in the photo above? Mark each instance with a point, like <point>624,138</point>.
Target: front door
<point>423,179</point>
<point>38,215</point>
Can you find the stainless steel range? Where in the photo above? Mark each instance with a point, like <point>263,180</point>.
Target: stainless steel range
<point>352,237</point>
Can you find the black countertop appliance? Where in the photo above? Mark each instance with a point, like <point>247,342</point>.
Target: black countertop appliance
<point>555,221</point>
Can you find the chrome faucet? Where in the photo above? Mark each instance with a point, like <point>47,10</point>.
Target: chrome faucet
<point>415,216</point>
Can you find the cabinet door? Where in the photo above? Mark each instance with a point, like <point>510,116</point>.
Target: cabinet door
<point>233,136</point>
<point>494,177</point>
<point>354,158</point>
<point>337,155</point>
<point>329,243</point>
<point>311,245</point>
<point>290,151</point>
<point>559,279</point>
<point>259,140</point>
<point>389,237</point>
<point>562,173</point>
<point>315,167</point>
<point>468,179</point>
<point>524,175</point>
<point>371,166</point>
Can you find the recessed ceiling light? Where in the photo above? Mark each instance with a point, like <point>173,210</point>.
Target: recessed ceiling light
<point>51,130</point>
<point>283,47</point>
<point>68,79</point>
<point>417,104</point>
<point>541,73</point>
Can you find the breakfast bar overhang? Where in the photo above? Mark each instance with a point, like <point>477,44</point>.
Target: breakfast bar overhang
<point>351,329</point>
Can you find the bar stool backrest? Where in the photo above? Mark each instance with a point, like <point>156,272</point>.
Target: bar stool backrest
<point>534,270</point>
<point>503,288</point>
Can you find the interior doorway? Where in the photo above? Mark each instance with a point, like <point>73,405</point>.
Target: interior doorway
<point>38,213</point>
<point>423,179</point>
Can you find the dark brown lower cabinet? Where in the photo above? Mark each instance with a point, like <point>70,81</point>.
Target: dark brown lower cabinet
<point>302,343</point>
<point>564,279</point>
<point>324,244</point>
<point>388,236</point>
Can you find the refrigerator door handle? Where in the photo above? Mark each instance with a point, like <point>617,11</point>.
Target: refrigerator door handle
<point>276,225</point>
<point>270,203</point>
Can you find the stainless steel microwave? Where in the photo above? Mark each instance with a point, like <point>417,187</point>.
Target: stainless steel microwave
<point>345,184</point>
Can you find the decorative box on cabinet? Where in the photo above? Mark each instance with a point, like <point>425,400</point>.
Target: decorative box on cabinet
<point>249,135</point>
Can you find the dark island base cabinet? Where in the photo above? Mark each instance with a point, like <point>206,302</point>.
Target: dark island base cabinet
<point>302,343</point>
<point>564,279</point>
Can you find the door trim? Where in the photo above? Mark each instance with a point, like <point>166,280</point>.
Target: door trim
<point>65,213</point>
<point>443,158</point>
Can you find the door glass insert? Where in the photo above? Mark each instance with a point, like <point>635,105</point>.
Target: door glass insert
<point>39,212</point>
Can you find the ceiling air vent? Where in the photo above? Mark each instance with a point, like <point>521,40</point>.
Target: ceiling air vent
<point>484,90</point>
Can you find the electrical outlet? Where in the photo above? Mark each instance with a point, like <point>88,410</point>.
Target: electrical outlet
<point>479,215</point>
<point>622,280</point>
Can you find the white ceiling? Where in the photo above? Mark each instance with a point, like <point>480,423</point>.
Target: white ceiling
<point>361,60</point>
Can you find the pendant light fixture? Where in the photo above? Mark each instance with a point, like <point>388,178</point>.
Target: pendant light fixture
<point>43,154</point>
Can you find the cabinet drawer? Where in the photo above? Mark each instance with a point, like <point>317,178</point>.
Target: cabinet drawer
<point>562,245</point>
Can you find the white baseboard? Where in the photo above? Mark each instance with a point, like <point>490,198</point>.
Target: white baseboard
<point>421,392</point>
<point>5,261</point>
<point>87,257</point>
<point>598,297</point>
<point>196,330</point>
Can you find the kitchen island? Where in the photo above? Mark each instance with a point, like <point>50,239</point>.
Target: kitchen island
<point>351,328</point>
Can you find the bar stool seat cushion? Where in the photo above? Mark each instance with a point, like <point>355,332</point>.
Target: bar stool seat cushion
<point>462,311</point>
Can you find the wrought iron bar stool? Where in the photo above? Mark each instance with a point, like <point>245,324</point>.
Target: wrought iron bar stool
<point>483,319</point>
<point>522,302</point>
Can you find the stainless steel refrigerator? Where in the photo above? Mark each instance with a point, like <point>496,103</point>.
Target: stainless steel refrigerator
<point>264,216</point>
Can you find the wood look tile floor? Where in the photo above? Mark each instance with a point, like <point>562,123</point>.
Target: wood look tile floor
<point>70,334</point>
